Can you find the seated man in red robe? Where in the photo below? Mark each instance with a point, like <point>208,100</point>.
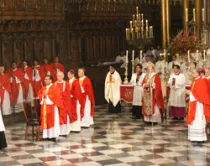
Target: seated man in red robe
<point>76,101</point>
<point>87,99</point>
<point>17,87</point>
<point>65,113</point>
<point>5,91</point>
<point>51,103</point>
<point>28,73</point>
<point>57,66</point>
<point>152,103</point>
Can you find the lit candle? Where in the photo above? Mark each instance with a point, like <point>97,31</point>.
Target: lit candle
<point>146,23</point>
<point>151,31</point>
<point>126,60</point>
<point>133,20</point>
<point>194,14</point>
<point>131,25</point>
<point>141,56</point>
<point>127,34</point>
<point>203,15</point>
<point>188,53</point>
<point>133,52</point>
<point>142,17</point>
<point>137,9</point>
<point>186,14</point>
<point>204,55</point>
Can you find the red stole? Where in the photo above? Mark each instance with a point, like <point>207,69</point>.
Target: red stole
<point>157,96</point>
<point>15,87</point>
<point>75,91</point>
<point>5,85</point>
<point>88,91</point>
<point>47,111</point>
<point>201,91</point>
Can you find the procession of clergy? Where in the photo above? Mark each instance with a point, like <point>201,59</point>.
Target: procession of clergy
<point>66,106</point>
<point>185,94</point>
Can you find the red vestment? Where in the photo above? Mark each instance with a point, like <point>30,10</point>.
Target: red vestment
<point>47,68</point>
<point>201,91</point>
<point>76,94</point>
<point>65,95</point>
<point>15,86</point>
<point>4,85</point>
<point>37,84</point>
<point>157,96</point>
<point>88,91</point>
<point>29,72</point>
<point>48,111</point>
<point>58,66</point>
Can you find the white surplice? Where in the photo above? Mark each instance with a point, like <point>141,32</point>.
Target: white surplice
<point>177,91</point>
<point>138,88</point>
<point>112,88</point>
<point>53,132</point>
<point>30,95</point>
<point>6,108</point>
<point>197,130</point>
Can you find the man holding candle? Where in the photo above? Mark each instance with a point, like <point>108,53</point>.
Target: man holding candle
<point>112,90</point>
<point>177,102</point>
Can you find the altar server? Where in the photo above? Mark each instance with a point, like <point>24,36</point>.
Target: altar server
<point>112,90</point>
<point>3,142</point>
<point>5,92</point>
<point>51,103</point>
<point>177,103</point>
<point>199,108</point>
<point>87,98</point>
<point>136,81</point>
<point>76,101</point>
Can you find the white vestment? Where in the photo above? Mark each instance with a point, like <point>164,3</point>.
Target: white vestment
<point>138,88</point>
<point>6,109</point>
<point>87,120</point>
<point>177,91</point>
<point>201,64</point>
<point>55,130</point>
<point>112,88</point>
<point>121,59</point>
<point>197,130</point>
<point>30,95</point>
<point>187,70</point>
<point>76,126</point>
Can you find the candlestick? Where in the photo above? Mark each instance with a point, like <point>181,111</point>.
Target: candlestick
<point>164,54</point>
<point>141,56</point>
<point>126,69</point>
<point>194,14</point>
<point>197,55</point>
<point>142,16</point>
<point>151,32</point>
<point>133,52</point>
<point>188,53</point>
<point>203,15</point>
<point>146,23</point>
<point>186,19</point>
<point>133,20</point>
<point>127,34</point>
<point>131,25</point>
<point>126,60</point>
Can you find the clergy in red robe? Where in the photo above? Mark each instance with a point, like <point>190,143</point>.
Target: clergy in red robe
<point>208,75</point>
<point>51,103</point>
<point>48,69</point>
<point>28,73</point>
<point>88,100</point>
<point>65,114</point>
<point>76,100</point>
<point>17,87</point>
<point>57,66</point>
<point>38,77</point>
<point>199,108</point>
<point>152,103</point>
<point>5,91</point>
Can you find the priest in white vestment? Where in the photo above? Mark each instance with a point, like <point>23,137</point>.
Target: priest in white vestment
<point>199,108</point>
<point>112,90</point>
<point>148,60</point>
<point>136,81</point>
<point>177,103</point>
<point>187,68</point>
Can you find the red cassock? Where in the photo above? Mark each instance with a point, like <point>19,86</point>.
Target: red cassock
<point>65,95</point>
<point>201,91</point>
<point>37,84</point>
<point>88,91</point>
<point>48,111</point>
<point>47,68</point>
<point>29,72</point>
<point>58,66</point>
<point>15,87</point>
<point>4,85</point>
<point>157,96</point>
<point>76,95</point>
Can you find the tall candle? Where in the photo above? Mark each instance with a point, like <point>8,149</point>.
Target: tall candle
<point>146,23</point>
<point>133,52</point>
<point>133,20</point>
<point>186,10</point>
<point>151,31</point>
<point>197,55</point>
<point>131,25</point>
<point>194,14</point>
<point>203,15</point>
<point>141,56</point>
<point>137,10</point>
<point>126,60</point>
<point>188,53</point>
<point>204,55</point>
<point>142,17</point>
<point>164,54</point>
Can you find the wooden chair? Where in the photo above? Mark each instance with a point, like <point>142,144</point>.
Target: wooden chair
<point>37,107</point>
<point>31,120</point>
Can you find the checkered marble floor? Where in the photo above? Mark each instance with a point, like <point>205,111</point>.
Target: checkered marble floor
<point>114,140</point>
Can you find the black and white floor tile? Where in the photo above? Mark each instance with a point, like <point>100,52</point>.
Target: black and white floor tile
<point>114,140</point>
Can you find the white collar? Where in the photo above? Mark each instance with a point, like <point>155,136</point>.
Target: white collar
<point>60,81</point>
<point>48,86</point>
<point>82,78</point>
